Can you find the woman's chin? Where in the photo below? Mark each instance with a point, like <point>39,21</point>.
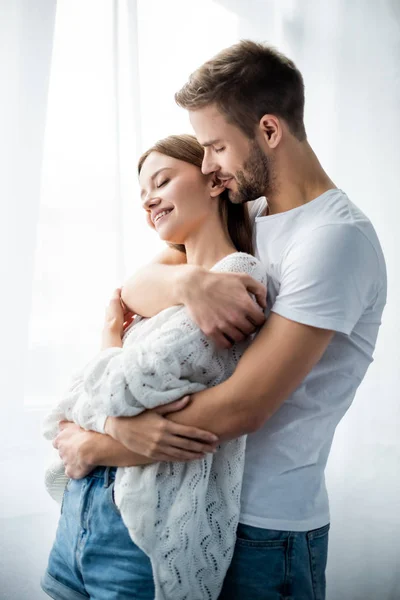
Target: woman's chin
<point>170,239</point>
<point>168,236</point>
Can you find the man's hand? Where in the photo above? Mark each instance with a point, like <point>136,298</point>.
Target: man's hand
<point>159,439</point>
<point>70,443</point>
<point>219,303</point>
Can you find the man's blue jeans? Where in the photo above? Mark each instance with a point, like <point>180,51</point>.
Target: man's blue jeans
<point>277,565</point>
<point>94,557</point>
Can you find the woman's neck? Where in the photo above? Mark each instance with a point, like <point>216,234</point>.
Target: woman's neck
<point>208,245</point>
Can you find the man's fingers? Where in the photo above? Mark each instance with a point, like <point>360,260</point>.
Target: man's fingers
<point>258,289</point>
<point>220,340</point>
<point>182,443</point>
<point>173,453</point>
<point>255,315</point>
<point>173,406</point>
<point>246,326</point>
<point>261,298</point>
<point>233,333</point>
<point>192,433</point>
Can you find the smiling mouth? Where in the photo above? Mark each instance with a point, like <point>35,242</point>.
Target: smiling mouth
<point>225,182</point>
<point>162,215</point>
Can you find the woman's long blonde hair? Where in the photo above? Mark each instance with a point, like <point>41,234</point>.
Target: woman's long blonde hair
<point>234,217</point>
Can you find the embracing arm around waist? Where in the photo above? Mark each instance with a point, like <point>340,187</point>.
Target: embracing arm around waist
<point>281,356</point>
<point>274,365</point>
<point>317,297</point>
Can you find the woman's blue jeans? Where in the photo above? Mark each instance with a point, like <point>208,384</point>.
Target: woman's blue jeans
<point>94,557</point>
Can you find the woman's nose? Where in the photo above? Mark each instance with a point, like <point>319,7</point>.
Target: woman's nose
<point>150,201</point>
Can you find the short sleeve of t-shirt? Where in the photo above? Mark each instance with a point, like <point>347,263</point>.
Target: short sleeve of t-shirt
<point>328,278</point>
<point>256,208</point>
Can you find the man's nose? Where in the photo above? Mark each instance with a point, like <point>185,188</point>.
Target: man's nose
<point>208,165</point>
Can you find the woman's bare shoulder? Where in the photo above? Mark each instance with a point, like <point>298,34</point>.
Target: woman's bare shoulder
<point>169,256</point>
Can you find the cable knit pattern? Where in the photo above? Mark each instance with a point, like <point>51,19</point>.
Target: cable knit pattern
<point>182,515</point>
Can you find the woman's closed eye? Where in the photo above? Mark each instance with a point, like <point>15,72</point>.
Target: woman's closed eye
<point>164,182</point>
<point>217,150</point>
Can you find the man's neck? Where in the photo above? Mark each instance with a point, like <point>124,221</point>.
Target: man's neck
<point>298,179</point>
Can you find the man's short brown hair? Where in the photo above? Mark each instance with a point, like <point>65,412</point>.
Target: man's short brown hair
<point>245,82</point>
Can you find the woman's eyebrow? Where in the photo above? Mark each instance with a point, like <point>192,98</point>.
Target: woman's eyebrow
<point>155,175</point>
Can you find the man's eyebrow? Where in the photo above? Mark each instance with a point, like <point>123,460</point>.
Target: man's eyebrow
<point>211,143</point>
<point>155,175</point>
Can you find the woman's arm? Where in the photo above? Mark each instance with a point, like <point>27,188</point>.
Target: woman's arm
<point>103,450</point>
<point>83,450</point>
<point>159,284</point>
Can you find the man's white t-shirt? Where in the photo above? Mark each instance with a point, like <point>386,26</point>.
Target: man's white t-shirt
<point>326,269</point>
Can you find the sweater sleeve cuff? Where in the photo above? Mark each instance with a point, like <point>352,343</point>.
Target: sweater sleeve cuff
<point>99,423</point>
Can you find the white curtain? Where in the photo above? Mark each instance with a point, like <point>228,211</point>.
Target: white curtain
<point>26,35</point>
<point>86,85</point>
<point>349,54</point>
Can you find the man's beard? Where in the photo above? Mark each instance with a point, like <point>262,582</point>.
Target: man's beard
<point>255,179</point>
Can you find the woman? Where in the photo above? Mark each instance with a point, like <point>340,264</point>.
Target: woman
<point>171,532</point>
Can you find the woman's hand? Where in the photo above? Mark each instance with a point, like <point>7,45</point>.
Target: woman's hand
<point>118,316</point>
<point>71,444</point>
<point>160,439</point>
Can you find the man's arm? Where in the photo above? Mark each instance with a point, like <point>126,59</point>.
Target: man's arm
<point>219,303</point>
<point>327,280</point>
<point>82,450</point>
<point>274,365</point>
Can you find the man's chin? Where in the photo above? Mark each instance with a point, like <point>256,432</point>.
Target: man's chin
<point>235,197</point>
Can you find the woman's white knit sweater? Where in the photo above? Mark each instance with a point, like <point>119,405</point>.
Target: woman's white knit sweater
<point>183,515</point>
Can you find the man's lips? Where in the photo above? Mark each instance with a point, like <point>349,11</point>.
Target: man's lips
<point>225,181</point>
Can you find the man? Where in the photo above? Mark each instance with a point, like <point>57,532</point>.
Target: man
<point>326,293</point>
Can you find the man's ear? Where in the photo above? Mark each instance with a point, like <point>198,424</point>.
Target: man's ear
<point>271,130</point>
<point>216,187</point>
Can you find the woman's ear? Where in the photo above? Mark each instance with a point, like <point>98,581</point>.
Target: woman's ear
<point>216,187</point>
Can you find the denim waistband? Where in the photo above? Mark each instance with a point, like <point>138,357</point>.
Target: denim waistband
<point>106,473</point>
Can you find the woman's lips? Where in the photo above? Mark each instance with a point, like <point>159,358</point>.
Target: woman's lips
<point>159,219</point>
